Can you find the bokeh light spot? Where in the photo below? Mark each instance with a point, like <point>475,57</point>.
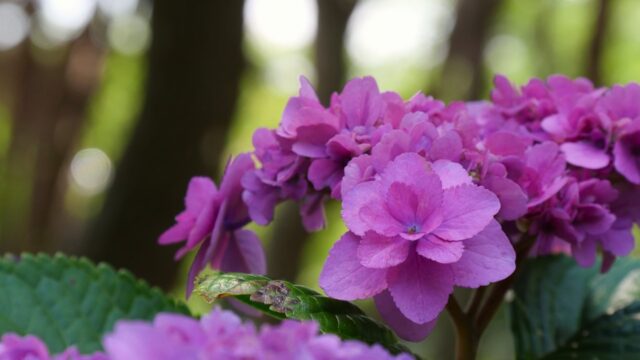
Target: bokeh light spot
<point>91,171</point>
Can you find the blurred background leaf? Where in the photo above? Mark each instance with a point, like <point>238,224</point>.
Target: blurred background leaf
<point>563,311</point>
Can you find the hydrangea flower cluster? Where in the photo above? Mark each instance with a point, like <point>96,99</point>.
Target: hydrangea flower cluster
<point>434,195</point>
<point>218,335</point>
<point>15,347</point>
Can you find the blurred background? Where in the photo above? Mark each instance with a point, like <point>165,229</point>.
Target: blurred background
<point>108,107</point>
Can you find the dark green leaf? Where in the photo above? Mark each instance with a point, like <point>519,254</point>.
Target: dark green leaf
<point>561,310</point>
<point>68,301</point>
<point>283,299</point>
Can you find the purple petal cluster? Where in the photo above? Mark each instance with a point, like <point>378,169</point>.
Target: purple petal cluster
<point>218,335</point>
<point>15,347</point>
<point>585,152</point>
<point>416,230</point>
<point>213,219</point>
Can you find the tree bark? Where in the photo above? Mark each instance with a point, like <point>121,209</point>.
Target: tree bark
<point>462,76</point>
<point>194,68</point>
<point>333,17</point>
<point>598,39</point>
<point>289,237</point>
<point>48,114</point>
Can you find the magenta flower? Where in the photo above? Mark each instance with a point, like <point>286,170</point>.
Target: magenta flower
<point>416,231</point>
<point>222,335</point>
<point>627,152</point>
<point>214,220</point>
<point>281,177</point>
<point>14,347</point>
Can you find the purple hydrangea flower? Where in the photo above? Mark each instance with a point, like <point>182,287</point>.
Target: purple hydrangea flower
<point>15,347</point>
<point>415,232</point>
<point>222,335</point>
<point>214,219</point>
<point>627,152</point>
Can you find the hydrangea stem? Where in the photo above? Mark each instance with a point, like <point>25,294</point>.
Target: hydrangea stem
<point>466,339</point>
<point>471,324</point>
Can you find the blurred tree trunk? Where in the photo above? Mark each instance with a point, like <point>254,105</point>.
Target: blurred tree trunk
<point>543,42</point>
<point>462,76</point>
<point>288,239</point>
<point>333,17</point>
<point>596,46</point>
<point>53,88</point>
<point>194,68</point>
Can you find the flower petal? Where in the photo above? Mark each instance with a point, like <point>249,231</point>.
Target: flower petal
<point>403,327</point>
<point>438,250</point>
<point>487,257</point>
<point>626,162</point>
<point>244,254</point>
<point>585,154</point>
<point>420,288</point>
<point>447,147</point>
<point>466,210</point>
<point>363,209</point>
<point>513,201</point>
<point>344,278</point>
<point>451,174</point>
<point>407,168</point>
<point>312,212</point>
<point>402,203</point>
<point>176,233</point>
<point>201,190</point>
<point>379,252</point>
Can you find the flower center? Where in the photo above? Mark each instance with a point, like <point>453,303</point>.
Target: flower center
<point>412,229</point>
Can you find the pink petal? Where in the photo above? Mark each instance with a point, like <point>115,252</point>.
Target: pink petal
<point>306,89</point>
<point>176,233</point>
<point>198,264</point>
<point>379,252</point>
<point>361,102</point>
<point>244,254</point>
<point>363,209</point>
<point>420,288</point>
<point>438,250</point>
<point>513,201</point>
<point>506,143</point>
<point>402,203</point>
<point>585,252</point>
<point>403,327</point>
<point>358,170</point>
<point>312,212</point>
<point>626,162</point>
<point>324,173</point>
<point>585,155</point>
<point>487,257</point>
<point>200,191</point>
<point>618,241</point>
<point>447,147</point>
<point>407,168</point>
<point>311,140</point>
<point>344,278</point>
<point>466,210</point>
<point>451,174</point>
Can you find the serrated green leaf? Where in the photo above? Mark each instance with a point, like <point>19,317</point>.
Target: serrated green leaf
<point>561,310</point>
<point>282,299</point>
<point>70,301</point>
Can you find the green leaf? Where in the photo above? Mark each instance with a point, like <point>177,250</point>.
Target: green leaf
<point>69,301</point>
<point>282,299</point>
<point>563,311</point>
